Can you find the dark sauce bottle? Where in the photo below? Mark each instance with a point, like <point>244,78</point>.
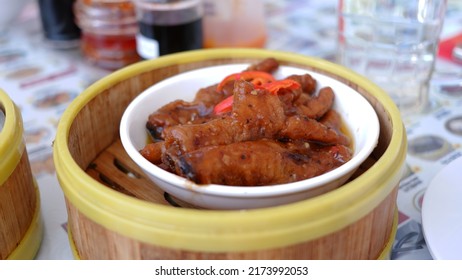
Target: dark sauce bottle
<point>168,26</point>
<point>58,23</point>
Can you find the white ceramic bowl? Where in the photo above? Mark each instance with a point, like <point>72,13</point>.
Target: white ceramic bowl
<point>358,115</point>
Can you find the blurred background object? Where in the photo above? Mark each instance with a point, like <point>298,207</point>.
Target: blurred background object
<point>234,23</point>
<point>457,51</point>
<point>168,26</point>
<point>59,27</point>
<point>394,43</point>
<point>109,29</point>
<point>9,12</point>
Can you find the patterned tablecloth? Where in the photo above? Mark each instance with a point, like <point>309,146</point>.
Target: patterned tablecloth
<point>43,81</point>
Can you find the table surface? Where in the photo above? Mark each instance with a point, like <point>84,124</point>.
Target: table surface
<point>42,81</point>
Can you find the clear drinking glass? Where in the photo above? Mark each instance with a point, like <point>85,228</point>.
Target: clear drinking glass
<point>394,44</point>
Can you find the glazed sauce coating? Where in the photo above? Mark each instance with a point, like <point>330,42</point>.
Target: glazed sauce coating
<point>263,139</point>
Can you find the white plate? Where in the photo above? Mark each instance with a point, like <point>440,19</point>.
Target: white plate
<point>442,213</point>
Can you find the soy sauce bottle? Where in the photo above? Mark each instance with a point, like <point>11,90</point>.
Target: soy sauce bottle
<point>168,26</point>
<point>57,18</point>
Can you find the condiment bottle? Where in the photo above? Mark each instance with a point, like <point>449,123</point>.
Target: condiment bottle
<point>168,26</point>
<point>234,23</point>
<point>109,29</point>
<point>57,18</point>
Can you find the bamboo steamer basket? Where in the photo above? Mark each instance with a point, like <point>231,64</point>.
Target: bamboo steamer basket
<point>114,212</point>
<point>20,221</point>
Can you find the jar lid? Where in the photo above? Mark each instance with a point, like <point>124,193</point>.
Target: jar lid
<point>104,15</point>
<point>164,12</point>
<point>115,9</point>
<point>107,28</point>
<point>167,5</point>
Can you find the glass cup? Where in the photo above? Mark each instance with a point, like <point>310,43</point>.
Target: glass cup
<point>394,44</point>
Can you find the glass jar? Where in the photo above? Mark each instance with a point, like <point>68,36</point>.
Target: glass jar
<point>109,29</point>
<point>168,26</point>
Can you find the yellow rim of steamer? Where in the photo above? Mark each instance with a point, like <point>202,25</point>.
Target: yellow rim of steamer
<point>11,142</point>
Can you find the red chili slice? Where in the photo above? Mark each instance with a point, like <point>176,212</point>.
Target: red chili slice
<point>256,77</point>
<point>224,106</point>
<point>273,87</point>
